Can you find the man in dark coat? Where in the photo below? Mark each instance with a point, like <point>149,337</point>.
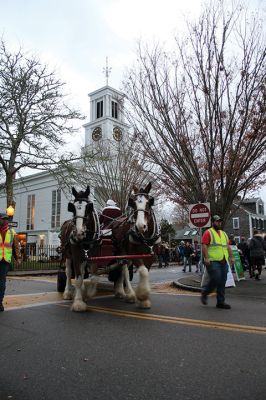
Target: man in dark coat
<point>257,248</point>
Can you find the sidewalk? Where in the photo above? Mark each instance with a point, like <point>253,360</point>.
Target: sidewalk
<point>247,287</point>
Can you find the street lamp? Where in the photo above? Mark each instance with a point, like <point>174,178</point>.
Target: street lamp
<point>10,211</point>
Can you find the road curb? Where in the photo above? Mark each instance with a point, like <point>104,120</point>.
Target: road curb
<point>180,285</point>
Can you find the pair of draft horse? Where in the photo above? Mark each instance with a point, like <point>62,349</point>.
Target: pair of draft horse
<point>134,234</point>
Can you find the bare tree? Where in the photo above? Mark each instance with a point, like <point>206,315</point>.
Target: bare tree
<point>199,113</point>
<point>34,118</point>
<point>113,169</point>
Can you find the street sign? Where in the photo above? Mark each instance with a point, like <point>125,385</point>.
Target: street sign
<point>199,215</point>
<point>13,224</point>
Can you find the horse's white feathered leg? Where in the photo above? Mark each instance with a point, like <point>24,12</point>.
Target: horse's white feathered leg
<point>68,292</point>
<point>91,286</point>
<point>78,303</point>
<point>130,296</point>
<point>143,288</point>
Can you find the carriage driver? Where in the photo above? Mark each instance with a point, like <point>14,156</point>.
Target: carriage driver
<point>109,213</point>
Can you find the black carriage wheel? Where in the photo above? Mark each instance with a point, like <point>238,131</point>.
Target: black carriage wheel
<point>61,281</point>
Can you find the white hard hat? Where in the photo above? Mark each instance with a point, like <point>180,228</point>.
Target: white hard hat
<point>110,203</point>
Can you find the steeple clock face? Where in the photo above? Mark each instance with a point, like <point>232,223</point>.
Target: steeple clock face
<point>97,134</point>
<point>117,134</point>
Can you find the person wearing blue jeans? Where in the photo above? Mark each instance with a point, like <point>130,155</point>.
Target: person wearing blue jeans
<point>217,253</point>
<point>217,279</point>
<point>4,267</point>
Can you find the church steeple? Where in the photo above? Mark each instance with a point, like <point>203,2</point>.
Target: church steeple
<point>106,114</point>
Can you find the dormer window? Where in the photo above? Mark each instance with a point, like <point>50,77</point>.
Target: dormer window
<point>99,109</point>
<point>261,209</point>
<point>114,109</point>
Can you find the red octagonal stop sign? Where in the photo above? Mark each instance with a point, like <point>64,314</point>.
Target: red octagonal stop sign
<point>199,215</point>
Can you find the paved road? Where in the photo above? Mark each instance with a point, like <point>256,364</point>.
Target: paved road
<point>178,349</point>
<point>24,284</point>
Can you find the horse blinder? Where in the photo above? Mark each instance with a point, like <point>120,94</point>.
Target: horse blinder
<point>151,201</point>
<point>89,208</point>
<point>131,202</point>
<point>71,208</point>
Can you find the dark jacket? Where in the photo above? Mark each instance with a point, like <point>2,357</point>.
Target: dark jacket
<point>243,246</point>
<point>188,251</point>
<point>257,246</point>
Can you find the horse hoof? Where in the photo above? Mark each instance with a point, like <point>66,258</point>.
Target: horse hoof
<point>142,295</point>
<point>67,296</point>
<point>145,304</point>
<point>119,295</point>
<point>130,299</point>
<point>90,289</point>
<point>79,306</point>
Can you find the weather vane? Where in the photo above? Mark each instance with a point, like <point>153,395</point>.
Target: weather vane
<point>107,70</point>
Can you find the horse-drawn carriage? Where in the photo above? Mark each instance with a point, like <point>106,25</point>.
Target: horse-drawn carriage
<point>86,251</point>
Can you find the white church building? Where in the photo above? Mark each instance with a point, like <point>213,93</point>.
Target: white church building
<point>41,206</point>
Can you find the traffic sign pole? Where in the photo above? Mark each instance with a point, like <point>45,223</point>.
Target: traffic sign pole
<point>200,217</point>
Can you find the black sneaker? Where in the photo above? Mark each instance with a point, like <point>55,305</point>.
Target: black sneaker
<point>1,307</point>
<point>204,299</point>
<point>223,305</point>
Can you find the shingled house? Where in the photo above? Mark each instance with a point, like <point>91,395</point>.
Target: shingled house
<point>246,216</point>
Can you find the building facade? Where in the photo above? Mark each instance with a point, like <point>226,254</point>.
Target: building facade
<point>41,205</point>
<point>246,216</point>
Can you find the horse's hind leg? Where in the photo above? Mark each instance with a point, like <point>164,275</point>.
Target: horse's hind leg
<point>91,283</point>
<point>143,288</point>
<point>67,295</point>
<point>78,303</point>
<point>129,292</point>
<point>119,287</point>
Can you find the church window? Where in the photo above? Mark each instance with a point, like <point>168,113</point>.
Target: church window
<point>99,110</point>
<point>56,208</point>
<point>114,109</point>
<point>30,211</point>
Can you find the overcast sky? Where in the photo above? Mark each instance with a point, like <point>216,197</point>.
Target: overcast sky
<point>76,36</point>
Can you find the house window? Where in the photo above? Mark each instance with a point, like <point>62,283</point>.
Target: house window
<point>56,208</point>
<point>236,223</point>
<point>99,109</point>
<point>114,109</point>
<point>30,211</point>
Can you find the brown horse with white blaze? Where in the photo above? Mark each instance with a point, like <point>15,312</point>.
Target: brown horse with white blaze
<point>136,235</point>
<point>78,236</point>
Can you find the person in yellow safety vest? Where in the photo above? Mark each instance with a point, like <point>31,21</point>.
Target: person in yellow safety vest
<point>8,247</point>
<point>216,253</point>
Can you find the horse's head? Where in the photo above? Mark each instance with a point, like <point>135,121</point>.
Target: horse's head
<point>81,209</point>
<point>141,202</point>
